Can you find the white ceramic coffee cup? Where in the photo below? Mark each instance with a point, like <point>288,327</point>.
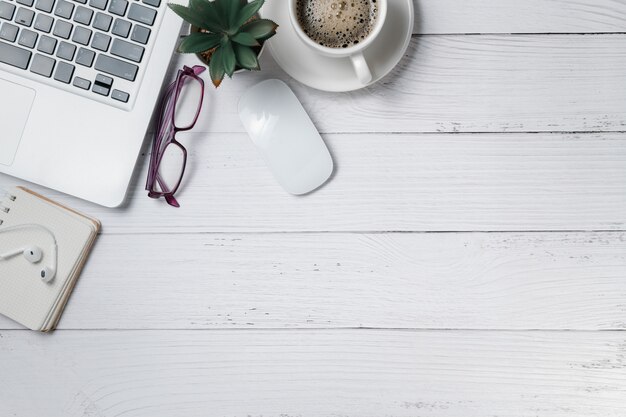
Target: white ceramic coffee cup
<point>354,52</point>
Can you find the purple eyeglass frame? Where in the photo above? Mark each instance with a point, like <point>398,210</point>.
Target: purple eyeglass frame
<point>166,134</point>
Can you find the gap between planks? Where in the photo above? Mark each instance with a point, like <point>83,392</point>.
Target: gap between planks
<point>356,232</point>
<point>326,329</point>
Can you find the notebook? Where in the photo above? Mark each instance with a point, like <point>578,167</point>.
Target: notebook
<point>24,297</point>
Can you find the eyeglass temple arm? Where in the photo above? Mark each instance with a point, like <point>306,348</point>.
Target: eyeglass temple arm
<point>198,69</point>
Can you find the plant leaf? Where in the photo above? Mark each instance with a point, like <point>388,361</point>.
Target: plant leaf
<point>199,42</point>
<point>227,10</point>
<point>248,11</point>
<point>218,6</point>
<point>246,57</point>
<point>228,58</point>
<point>206,12</point>
<point>188,15</point>
<point>245,38</point>
<point>232,10</point>
<point>260,29</point>
<point>216,67</point>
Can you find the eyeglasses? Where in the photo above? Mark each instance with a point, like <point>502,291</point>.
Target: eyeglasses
<point>169,157</point>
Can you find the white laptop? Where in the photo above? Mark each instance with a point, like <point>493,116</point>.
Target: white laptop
<point>79,80</point>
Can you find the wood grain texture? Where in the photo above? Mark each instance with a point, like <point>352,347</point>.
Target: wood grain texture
<point>393,182</point>
<point>319,373</point>
<point>515,16</point>
<point>445,281</point>
<point>260,323</point>
<point>463,84</point>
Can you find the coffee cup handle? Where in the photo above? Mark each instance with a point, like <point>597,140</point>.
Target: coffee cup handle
<point>362,70</point>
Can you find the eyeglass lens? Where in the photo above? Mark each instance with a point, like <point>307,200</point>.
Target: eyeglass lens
<point>188,103</point>
<point>171,168</point>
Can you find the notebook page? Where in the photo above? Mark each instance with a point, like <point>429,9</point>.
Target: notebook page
<point>23,296</point>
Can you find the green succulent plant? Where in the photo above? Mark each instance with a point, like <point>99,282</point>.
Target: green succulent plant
<point>227,28</point>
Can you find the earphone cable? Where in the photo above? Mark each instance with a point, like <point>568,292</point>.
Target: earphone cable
<point>31,226</point>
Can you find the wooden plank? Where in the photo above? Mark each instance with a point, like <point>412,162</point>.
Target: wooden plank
<point>462,17</point>
<point>451,280</point>
<point>319,373</point>
<point>514,16</point>
<point>463,84</point>
<point>462,182</point>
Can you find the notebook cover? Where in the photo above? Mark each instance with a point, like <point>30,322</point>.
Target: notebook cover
<point>23,296</point>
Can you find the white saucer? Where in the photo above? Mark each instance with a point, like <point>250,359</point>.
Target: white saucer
<point>337,74</point>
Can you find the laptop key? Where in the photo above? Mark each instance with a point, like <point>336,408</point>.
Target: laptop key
<point>8,32</point>
<point>127,50</point>
<point>28,38</point>
<point>81,35</point>
<point>140,34</point>
<point>45,5</point>
<point>142,14</point>
<point>85,57</point>
<point>98,4</point>
<point>14,56</point>
<point>101,42</point>
<point>47,44</point>
<point>118,7</point>
<point>102,22</point>
<point>62,29</point>
<point>42,65</point>
<point>104,80</point>
<point>120,96</point>
<point>82,83</point>
<point>6,10</point>
<point>43,23</point>
<point>28,3</point>
<point>116,67</point>
<point>83,15</point>
<point>24,16</point>
<point>121,28</point>
<point>64,72</point>
<point>153,3</point>
<point>64,9</point>
<point>100,89</point>
<point>66,51</point>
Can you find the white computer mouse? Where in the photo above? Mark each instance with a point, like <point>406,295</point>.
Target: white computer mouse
<point>286,137</point>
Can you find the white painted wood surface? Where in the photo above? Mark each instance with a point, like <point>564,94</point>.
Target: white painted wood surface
<point>467,259</point>
<point>519,16</point>
<point>365,373</point>
<point>489,83</point>
<point>385,182</point>
<point>558,281</point>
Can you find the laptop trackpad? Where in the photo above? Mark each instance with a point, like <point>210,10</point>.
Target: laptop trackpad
<point>15,103</point>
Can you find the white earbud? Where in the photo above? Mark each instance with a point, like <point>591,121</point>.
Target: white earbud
<point>34,254</point>
<point>47,273</point>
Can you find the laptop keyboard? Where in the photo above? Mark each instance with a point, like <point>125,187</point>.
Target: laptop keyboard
<point>91,47</point>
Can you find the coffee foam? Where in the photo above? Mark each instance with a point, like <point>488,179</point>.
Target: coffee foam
<point>337,23</point>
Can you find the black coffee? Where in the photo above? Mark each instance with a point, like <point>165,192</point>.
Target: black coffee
<point>337,23</point>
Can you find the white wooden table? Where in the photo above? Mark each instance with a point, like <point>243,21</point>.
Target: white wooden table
<point>467,259</point>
